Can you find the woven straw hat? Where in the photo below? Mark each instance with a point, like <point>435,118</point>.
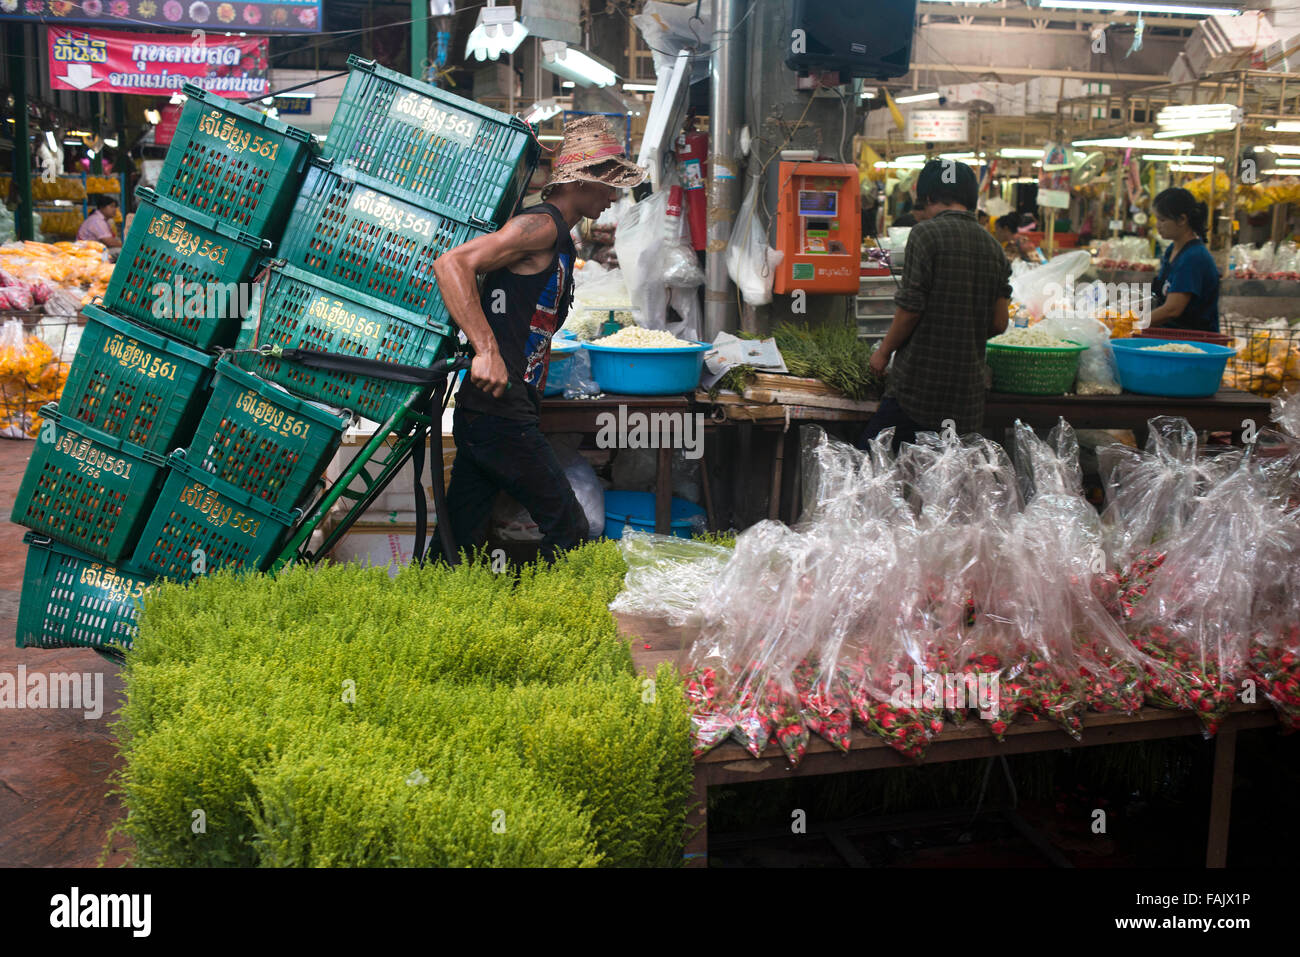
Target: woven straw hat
<point>591,153</point>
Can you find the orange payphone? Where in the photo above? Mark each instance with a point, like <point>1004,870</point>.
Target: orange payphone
<point>819,228</point>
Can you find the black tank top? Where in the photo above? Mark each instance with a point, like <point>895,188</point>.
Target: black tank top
<point>523,313</point>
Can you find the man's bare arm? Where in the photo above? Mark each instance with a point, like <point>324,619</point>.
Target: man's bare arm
<point>457,272</point>
<point>1001,317</point>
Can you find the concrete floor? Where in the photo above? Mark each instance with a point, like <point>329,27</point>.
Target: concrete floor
<point>54,764</point>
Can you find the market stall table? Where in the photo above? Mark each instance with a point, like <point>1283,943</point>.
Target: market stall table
<point>729,763</point>
<point>584,415</point>
<point>1226,411</point>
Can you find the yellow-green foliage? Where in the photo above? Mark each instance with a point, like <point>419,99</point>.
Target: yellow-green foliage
<point>448,717</point>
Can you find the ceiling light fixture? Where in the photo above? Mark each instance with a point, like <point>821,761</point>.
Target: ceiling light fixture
<point>1135,143</point>
<point>1175,158</point>
<point>1141,6</point>
<point>496,31</point>
<point>542,110</point>
<point>915,98</point>
<point>576,64</point>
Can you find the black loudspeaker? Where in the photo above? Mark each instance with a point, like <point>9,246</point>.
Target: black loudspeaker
<point>867,38</point>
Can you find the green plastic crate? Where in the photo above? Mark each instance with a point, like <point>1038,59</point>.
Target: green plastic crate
<point>73,600</point>
<point>135,383</point>
<point>259,438</point>
<point>199,518</point>
<point>354,230</point>
<point>299,310</point>
<point>237,165</point>
<point>87,488</point>
<point>428,144</point>
<point>182,272</point>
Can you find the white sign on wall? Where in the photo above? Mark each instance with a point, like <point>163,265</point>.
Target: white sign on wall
<point>938,126</point>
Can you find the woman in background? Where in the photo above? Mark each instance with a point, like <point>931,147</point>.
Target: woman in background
<point>1187,286</point>
<point>1006,229</point>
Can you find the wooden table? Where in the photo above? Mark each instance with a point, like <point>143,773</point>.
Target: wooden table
<point>729,763</point>
<point>1226,411</point>
<point>584,415</point>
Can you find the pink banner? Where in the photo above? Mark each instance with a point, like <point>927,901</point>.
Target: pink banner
<point>154,64</point>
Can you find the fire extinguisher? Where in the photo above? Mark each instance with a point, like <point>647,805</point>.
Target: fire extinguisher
<point>692,160</point>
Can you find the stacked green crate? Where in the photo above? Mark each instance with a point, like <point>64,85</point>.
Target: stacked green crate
<point>409,172</point>
<point>139,384</point>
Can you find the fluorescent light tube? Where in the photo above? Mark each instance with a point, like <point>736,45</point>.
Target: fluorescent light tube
<point>1020,152</point>
<point>1135,143</point>
<point>1140,6</point>
<point>1175,158</point>
<point>1190,168</point>
<point>1198,131</point>
<point>639,87</point>
<point>1284,126</point>
<point>576,64</point>
<point>915,98</point>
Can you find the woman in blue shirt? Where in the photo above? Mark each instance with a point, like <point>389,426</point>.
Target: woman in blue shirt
<point>1187,286</point>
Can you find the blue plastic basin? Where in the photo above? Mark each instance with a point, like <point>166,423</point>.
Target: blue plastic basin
<point>1174,374</point>
<point>636,510</point>
<point>562,352</point>
<point>669,371</point>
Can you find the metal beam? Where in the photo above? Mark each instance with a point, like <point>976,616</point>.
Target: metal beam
<point>17,35</point>
<point>978,70</point>
<point>419,37</point>
<point>1023,14</point>
<point>726,115</point>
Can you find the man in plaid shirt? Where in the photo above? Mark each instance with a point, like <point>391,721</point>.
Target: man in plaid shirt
<point>955,294</point>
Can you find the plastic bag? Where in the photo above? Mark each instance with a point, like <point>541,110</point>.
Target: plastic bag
<point>680,267</point>
<point>586,486</point>
<point>1198,615</point>
<point>1040,287</point>
<point>580,383</point>
<point>1149,495</point>
<point>639,243</point>
<point>512,521</point>
<point>751,263</point>
<point>1098,373</point>
<point>16,297</point>
<point>666,576</point>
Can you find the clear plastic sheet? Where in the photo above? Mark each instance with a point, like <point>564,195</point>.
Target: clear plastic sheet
<point>945,583</point>
<point>1149,496</point>
<point>667,576</point>
<point>1196,619</point>
<point>1286,413</point>
<point>1275,646</point>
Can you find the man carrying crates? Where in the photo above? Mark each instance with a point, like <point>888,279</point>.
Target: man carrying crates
<point>527,270</point>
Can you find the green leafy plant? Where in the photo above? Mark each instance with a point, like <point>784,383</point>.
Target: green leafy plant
<point>333,716</point>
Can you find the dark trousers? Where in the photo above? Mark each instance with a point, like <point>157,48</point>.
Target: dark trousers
<point>889,415</point>
<point>495,454</point>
